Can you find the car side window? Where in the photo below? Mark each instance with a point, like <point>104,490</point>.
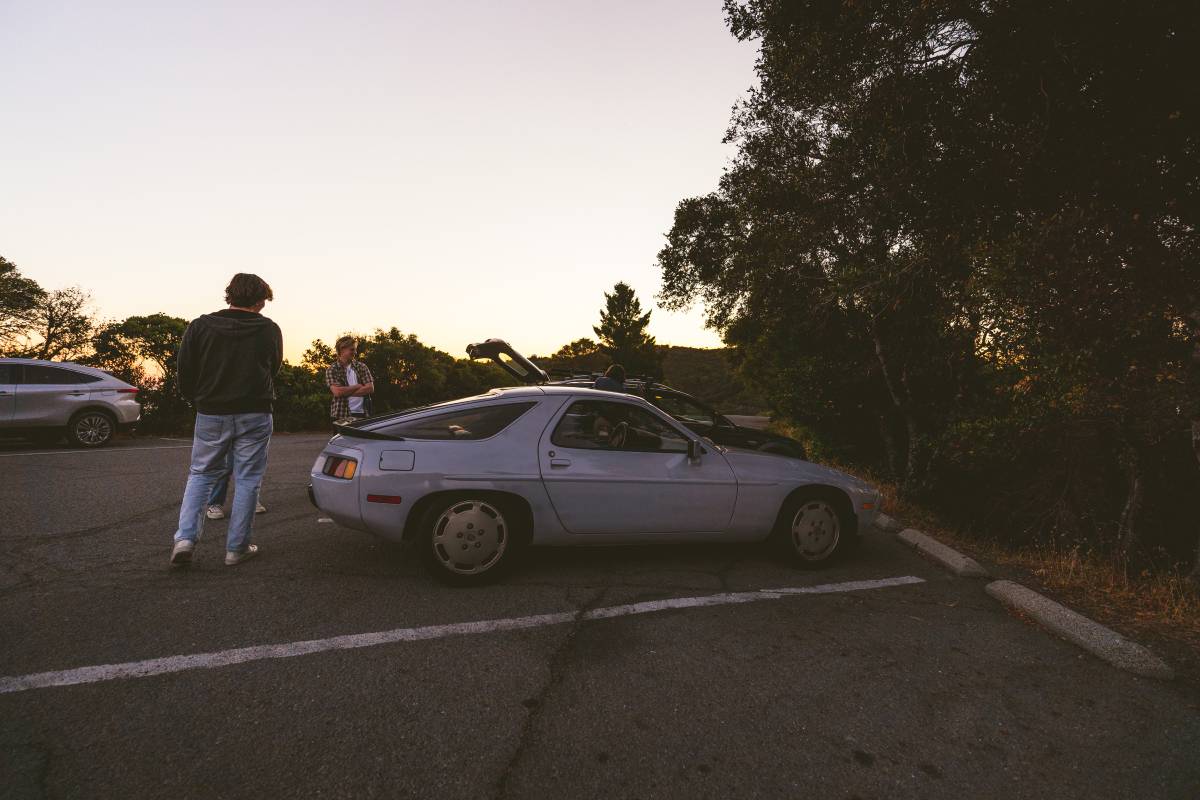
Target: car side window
<point>8,373</point>
<point>45,376</point>
<point>467,424</point>
<point>599,425</point>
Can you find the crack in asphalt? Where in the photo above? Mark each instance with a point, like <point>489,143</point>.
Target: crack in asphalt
<point>559,661</point>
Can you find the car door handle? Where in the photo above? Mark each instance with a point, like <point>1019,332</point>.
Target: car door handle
<point>560,463</point>
<point>77,394</point>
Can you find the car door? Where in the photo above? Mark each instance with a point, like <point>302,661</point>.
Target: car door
<point>8,392</point>
<point>47,396</point>
<point>614,467</point>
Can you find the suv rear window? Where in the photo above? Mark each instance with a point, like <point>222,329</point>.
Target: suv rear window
<point>469,424</point>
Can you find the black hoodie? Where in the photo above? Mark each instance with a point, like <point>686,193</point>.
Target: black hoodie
<point>228,361</point>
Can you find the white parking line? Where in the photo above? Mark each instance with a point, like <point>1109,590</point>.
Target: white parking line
<point>99,450</point>
<point>241,655</point>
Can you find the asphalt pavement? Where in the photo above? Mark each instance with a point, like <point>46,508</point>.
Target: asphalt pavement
<point>893,689</point>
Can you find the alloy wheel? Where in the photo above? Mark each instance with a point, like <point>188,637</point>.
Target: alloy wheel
<point>470,537</point>
<point>816,529</point>
<point>93,429</point>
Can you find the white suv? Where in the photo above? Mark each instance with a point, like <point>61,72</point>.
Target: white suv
<point>46,399</point>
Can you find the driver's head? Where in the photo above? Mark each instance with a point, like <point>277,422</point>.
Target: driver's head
<point>601,427</point>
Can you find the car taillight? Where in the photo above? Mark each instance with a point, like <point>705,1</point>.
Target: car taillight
<point>339,467</point>
<point>130,390</point>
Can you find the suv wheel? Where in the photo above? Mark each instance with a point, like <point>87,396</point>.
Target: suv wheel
<point>91,429</point>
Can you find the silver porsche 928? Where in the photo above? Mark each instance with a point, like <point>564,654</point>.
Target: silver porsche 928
<point>473,481</point>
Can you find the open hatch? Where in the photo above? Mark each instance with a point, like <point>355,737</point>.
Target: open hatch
<point>509,360</point>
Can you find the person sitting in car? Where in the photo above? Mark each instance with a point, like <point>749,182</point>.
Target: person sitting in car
<point>613,379</point>
<point>618,434</point>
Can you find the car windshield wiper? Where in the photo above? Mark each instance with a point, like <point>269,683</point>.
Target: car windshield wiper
<point>363,433</point>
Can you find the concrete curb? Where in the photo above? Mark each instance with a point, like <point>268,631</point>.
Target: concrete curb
<point>1079,630</point>
<point>886,523</point>
<point>949,558</point>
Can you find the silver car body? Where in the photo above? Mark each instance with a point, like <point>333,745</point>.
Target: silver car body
<point>62,390</point>
<point>575,496</point>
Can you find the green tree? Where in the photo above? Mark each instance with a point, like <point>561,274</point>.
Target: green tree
<point>959,237</point>
<point>143,350</point>
<point>19,297</point>
<point>318,356</point>
<point>622,332</point>
<point>580,356</point>
<point>61,326</point>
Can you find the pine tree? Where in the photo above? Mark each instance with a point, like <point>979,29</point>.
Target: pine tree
<point>622,332</point>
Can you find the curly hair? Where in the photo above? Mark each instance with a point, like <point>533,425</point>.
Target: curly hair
<point>247,290</point>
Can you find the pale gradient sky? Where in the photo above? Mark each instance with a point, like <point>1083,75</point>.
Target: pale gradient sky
<point>458,170</point>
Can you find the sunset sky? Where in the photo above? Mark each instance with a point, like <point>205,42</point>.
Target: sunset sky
<point>459,170</point>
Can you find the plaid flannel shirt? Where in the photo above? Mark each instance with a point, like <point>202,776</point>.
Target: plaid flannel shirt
<point>335,375</point>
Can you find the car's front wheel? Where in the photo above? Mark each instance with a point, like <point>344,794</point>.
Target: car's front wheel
<point>468,540</point>
<point>815,528</point>
<point>91,429</point>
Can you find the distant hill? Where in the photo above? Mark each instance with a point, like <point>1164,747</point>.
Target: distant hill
<point>707,374</point>
<point>704,372</point>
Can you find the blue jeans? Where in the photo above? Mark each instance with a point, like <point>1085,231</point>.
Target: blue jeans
<point>221,487</point>
<point>245,438</point>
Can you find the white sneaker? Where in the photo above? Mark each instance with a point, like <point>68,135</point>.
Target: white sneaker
<point>181,553</point>
<point>215,512</point>
<point>233,557</point>
<point>259,508</point>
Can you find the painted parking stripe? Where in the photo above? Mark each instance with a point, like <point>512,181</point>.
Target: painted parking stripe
<point>242,655</point>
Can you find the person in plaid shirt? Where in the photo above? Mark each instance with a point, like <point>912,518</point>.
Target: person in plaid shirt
<point>350,382</point>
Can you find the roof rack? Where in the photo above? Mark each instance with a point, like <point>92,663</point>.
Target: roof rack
<point>637,381</point>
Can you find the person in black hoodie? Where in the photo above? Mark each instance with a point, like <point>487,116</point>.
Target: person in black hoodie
<point>227,366</point>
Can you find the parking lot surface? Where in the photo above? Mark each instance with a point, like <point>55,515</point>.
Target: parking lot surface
<point>646,672</point>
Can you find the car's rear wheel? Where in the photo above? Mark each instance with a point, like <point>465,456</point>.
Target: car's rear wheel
<point>91,429</point>
<point>468,540</point>
<point>814,529</point>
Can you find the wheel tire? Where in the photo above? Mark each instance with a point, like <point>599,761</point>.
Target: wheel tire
<point>815,529</point>
<point>479,531</point>
<point>91,428</point>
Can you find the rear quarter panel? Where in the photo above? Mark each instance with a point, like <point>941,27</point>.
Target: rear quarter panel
<point>507,462</point>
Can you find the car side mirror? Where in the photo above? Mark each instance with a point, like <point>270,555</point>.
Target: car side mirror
<point>694,450</point>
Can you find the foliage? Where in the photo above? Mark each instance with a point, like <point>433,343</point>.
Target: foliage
<point>622,332</point>
<point>60,326</point>
<point>142,350</point>
<point>19,297</point>
<point>582,356</point>
<point>958,244</point>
